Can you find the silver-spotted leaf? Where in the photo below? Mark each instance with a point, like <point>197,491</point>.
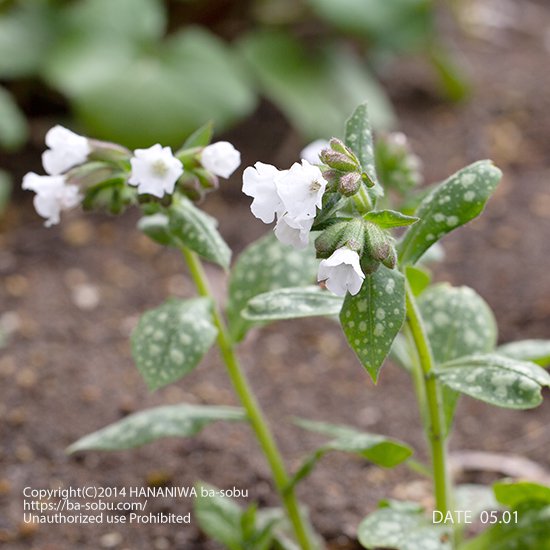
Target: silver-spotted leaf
<point>451,204</point>
<point>401,529</point>
<point>372,318</point>
<point>359,139</point>
<point>170,340</point>
<point>266,265</point>
<point>292,303</point>
<point>496,379</point>
<point>536,351</point>
<point>146,426</point>
<point>198,231</point>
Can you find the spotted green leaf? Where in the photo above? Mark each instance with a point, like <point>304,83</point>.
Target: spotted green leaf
<point>451,204</point>
<point>402,527</point>
<point>359,139</point>
<point>198,231</point>
<point>157,228</point>
<point>496,379</point>
<point>531,531</point>
<point>512,493</point>
<point>536,351</point>
<point>372,318</point>
<point>458,323</point>
<point>146,426</point>
<point>292,303</point>
<point>264,266</point>
<point>380,450</point>
<point>170,340</point>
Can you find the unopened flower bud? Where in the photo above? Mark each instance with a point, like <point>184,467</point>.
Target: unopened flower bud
<point>391,260</point>
<point>378,242</point>
<point>108,152</point>
<point>368,264</point>
<point>337,160</point>
<point>190,185</point>
<point>208,180</point>
<point>91,173</point>
<point>349,234</point>
<point>349,184</point>
<point>340,147</point>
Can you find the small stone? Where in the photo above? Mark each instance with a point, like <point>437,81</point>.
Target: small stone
<point>27,530</point>
<point>17,417</point>
<point>24,454</point>
<point>85,296</point>
<point>161,543</point>
<point>5,487</point>
<point>78,232</point>
<point>26,378</point>
<point>158,478</point>
<point>7,366</point>
<point>90,394</point>
<point>16,285</point>
<point>110,540</point>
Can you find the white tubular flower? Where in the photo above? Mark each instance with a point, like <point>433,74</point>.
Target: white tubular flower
<point>311,152</point>
<point>155,170</point>
<point>66,149</point>
<point>259,183</point>
<point>342,272</point>
<point>221,158</point>
<point>52,195</point>
<point>301,190</point>
<point>293,232</point>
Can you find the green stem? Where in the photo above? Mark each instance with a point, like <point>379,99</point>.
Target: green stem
<point>436,432</point>
<point>362,200</point>
<point>251,405</point>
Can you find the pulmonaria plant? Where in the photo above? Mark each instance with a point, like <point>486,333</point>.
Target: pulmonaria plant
<point>334,225</point>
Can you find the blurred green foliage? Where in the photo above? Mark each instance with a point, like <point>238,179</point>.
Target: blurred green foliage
<point>134,74</point>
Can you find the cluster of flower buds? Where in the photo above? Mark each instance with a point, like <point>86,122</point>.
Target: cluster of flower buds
<point>319,194</point>
<point>100,174</point>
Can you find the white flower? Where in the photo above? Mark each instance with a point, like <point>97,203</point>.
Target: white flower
<point>155,170</point>
<point>301,190</point>
<point>291,195</point>
<point>342,272</point>
<point>66,149</point>
<point>221,158</point>
<point>293,232</point>
<point>52,195</point>
<point>311,152</point>
<point>259,183</point>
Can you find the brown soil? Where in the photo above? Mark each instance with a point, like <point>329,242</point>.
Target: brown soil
<point>74,292</point>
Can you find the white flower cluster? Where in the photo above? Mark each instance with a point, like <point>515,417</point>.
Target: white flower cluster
<point>154,171</point>
<point>292,198</point>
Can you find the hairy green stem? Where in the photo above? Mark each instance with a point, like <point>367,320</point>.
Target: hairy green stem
<point>435,423</point>
<point>248,400</point>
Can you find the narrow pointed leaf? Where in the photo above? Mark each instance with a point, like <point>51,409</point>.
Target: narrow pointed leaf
<point>388,219</point>
<point>380,450</point>
<point>536,351</point>
<point>359,139</point>
<point>372,318</point>
<point>400,528</point>
<point>418,278</point>
<point>496,379</point>
<point>292,303</point>
<point>451,204</point>
<point>264,266</point>
<point>198,231</point>
<point>200,137</point>
<point>146,426</point>
<point>170,340</point>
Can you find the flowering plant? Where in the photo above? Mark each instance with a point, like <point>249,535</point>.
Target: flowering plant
<point>372,274</point>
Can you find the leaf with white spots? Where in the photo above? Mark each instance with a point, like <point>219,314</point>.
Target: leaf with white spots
<point>536,351</point>
<point>170,340</point>
<point>266,265</point>
<point>378,449</point>
<point>458,322</point>
<point>292,303</point>
<point>402,528</point>
<point>496,379</point>
<point>372,318</point>
<point>359,139</point>
<point>146,426</point>
<point>198,231</point>
<point>157,228</point>
<point>451,204</point>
